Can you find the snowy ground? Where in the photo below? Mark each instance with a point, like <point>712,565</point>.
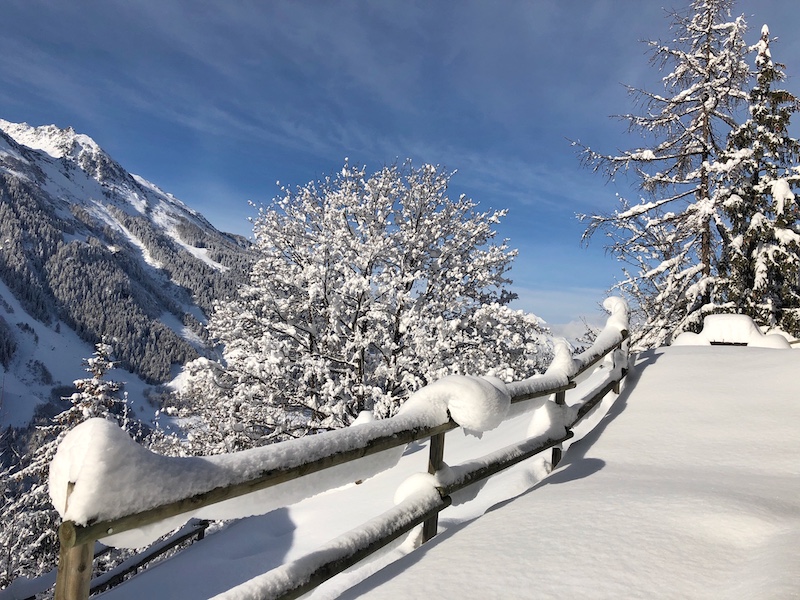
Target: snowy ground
<point>688,488</point>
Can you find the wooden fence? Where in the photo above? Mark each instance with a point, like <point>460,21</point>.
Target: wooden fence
<point>77,542</point>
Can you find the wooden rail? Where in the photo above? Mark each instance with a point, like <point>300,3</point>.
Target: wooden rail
<point>75,558</point>
<point>193,530</point>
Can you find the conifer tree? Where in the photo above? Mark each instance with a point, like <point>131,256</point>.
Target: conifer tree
<point>669,237</point>
<point>28,521</point>
<point>760,168</point>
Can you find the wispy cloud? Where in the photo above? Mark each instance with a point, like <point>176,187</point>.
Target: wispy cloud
<point>259,91</point>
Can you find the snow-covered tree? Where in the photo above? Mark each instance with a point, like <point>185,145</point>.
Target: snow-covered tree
<point>366,288</point>
<point>761,270</point>
<point>28,521</point>
<point>669,237</point>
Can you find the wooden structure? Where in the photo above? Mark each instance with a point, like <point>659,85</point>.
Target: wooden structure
<point>77,542</point>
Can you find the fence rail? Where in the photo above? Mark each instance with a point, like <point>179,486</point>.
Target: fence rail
<point>75,558</point>
<point>191,531</point>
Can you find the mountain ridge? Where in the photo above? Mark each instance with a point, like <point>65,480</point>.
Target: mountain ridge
<point>86,245</point>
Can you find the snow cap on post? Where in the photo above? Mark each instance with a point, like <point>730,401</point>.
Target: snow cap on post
<point>84,458</point>
<point>563,366</point>
<point>477,404</point>
<point>618,309</point>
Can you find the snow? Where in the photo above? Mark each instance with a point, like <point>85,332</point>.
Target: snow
<point>111,476</point>
<point>643,155</point>
<point>199,253</point>
<point>279,580</point>
<point>477,404</point>
<point>48,138</point>
<point>365,416</point>
<point>134,241</point>
<point>786,236</point>
<point>782,194</point>
<point>686,487</point>
<point>762,47</point>
<point>731,329</point>
<point>186,332</point>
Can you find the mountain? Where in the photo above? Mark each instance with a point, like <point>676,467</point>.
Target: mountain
<point>90,251</point>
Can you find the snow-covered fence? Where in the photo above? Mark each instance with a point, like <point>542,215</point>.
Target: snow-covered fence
<point>107,487</point>
<point>24,588</point>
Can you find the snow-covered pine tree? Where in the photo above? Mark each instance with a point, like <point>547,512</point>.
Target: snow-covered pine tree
<point>669,237</point>
<point>28,521</point>
<point>761,270</point>
<point>366,288</point>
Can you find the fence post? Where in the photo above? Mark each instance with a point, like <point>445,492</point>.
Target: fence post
<point>74,574</point>
<point>621,354</point>
<point>561,400</point>
<point>435,462</point>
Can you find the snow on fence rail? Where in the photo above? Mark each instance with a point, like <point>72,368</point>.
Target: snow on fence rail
<point>107,487</point>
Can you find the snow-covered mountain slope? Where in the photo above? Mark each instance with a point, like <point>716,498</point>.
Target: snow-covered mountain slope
<point>72,167</point>
<point>88,250</point>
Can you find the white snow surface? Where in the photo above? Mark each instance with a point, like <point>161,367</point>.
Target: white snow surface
<point>689,488</point>
<point>50,139</point>
<point>782,194</point>
<point>686,486</point>
<point>477,404</point>
<point>113,476</point>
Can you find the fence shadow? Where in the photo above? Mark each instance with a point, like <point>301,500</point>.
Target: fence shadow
<point>575,465</point>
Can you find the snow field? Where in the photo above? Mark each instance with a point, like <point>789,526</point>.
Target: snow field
<point>308,530</point>
<point>689,488</point>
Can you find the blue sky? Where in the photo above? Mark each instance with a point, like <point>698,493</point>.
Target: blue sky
<point>217,101</point>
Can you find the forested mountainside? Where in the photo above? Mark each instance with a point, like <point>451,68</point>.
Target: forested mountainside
<point>87,246</point>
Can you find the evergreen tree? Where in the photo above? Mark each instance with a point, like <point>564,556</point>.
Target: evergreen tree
<point>669,237</point>
<point>762,261</point>
<point>366,288</point>
<point>28,521</point>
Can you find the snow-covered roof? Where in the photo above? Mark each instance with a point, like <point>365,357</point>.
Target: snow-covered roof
<point>731,329</point>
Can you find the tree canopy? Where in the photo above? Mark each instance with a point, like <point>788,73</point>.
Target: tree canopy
<point>689,239</point>
<point>760,269</point>
<point>365,289</point>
